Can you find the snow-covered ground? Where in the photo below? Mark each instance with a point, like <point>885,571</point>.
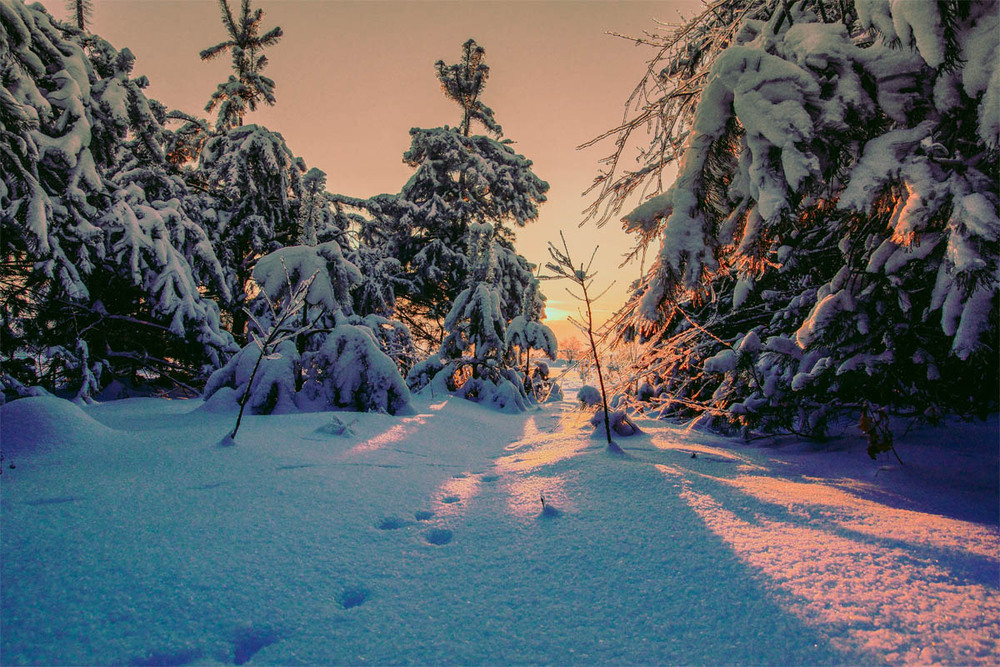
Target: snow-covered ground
<point>131,537</point>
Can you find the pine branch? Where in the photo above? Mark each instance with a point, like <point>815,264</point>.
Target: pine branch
<point>214,51</point>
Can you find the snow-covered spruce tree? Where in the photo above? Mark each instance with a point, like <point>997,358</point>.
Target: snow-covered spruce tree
<point>104,259</point>
<point>329,360</point>
<point>249,169</point>
<point>526,333</point>
<point>358,225</point>
<point>373,299</point>
<point>473,361</point>
<point>831,242</point>
<point>313,206</point>
<point>242,92</point>
<point>464,82</point>
<point>461,178</point>
<point>256,182</point>
<point>326,218</point>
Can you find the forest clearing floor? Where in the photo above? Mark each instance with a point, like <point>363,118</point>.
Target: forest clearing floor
<point>131,537</point>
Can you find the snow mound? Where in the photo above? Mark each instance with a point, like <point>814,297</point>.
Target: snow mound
<point>588,396</point>
<point>41,423</point>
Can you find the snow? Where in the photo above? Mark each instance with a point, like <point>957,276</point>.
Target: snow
<point>825,310</point>
<point>130,537</point>
<point>445,531</point>
<point>743,289</point>
<point>912,23</point>
<point>273,388</point>
<point>588,396</point>
<point>974,316</point>
<point>293,264</point>
<point>350,371</point>
<point>881,162</point>
<point>531,335</point>
<point>648,215</point>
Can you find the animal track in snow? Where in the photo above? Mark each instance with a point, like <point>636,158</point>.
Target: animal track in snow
<point>352,596</point>
<point>490,478</point>
<point>451,499</point>
<point>438,536</point>
<point>248,641</point>
<point>423,515</point>
<point>392,523</point>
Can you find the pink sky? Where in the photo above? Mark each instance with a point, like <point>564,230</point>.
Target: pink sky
<point>353,78</point>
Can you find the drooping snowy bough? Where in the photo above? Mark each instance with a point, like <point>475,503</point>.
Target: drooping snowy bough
<point>105,257</point>
<point>832,238</point>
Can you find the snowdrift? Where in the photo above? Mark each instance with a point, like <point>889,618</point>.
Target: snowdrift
<point>45,423</point>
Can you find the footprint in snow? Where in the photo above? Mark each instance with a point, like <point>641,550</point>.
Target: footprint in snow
<point>248,641</point>
<point>490,478</point>
<point>438,536</point>
<point>392,523</point>
<point>450,499</point>
<point>423,515</point>
<point>352,596</point>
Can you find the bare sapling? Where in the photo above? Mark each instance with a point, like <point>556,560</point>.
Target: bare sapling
<point>269,336</point>
<point>563,267</point>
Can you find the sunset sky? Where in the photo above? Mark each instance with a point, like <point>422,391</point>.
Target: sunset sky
<point>353,78</point>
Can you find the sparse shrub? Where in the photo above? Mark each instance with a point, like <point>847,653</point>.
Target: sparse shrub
<point>563,267</point>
